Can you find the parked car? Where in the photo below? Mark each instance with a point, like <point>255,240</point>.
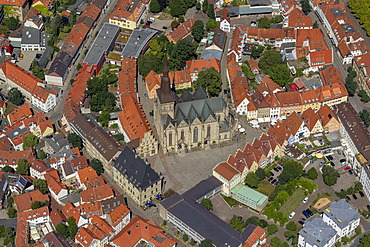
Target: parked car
<point>279,168</point>
<point>159,197</point>
<point>348,199</point>
<point>272,174</point>
<point>21,56</point>
<point>305,213</point>
<point>303,219</point>
<point>291,215</point>
<point>301,223</point>
<point>329,157</point>
<point>164,27</point>
<point>150,204</point>
<point>332,163</point>
<point>347,168</point>
<point>276,182</point>
<point>276,169</point>
<point>361,193</point>
<point>273,181</point>
<point>354,196</point>
<point>305,200</point>
<point>309,211</point>
<point>368,207</point>
<point>342,160</point>
<point>270,179</point>
<point>350,172</point>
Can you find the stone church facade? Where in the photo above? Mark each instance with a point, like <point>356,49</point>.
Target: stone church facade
<point>191,120</point>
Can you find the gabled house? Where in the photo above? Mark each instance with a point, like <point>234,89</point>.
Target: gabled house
<point>312,121</point>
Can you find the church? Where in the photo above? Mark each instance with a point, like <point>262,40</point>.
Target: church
<point>190,120</point>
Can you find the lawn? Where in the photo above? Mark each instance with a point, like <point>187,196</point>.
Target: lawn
<point>293,202</point>
<point>265,188</point>
<point>231,201</point>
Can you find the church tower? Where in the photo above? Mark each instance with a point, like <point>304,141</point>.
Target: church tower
<point>166,96</point>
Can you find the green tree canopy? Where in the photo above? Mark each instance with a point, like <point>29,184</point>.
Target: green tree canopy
<point>257,51</point>
<point>15,96</point>
<point>154,6</point>
<point>312,173</point>
<point>272,229</point>
<point>148,62</point>
<point>269,59</point>
<point>12,212</point>
<point>291,226</point>
<point>206,243</point>
<point>237,223</point>
<point>260,173</point>
<point>211,12</point>
<point>210,80</point>
<point>30,140</point>
<point>8,169</point>
<point>37,204</point>
<point>104,118</point>
<point>183,51</point>
<point>23,167</point>
<point>177,7</point>
<point>207,203</point>
<point>361,10</point>
<point>365,116</point>
<point>197,30</point>
<point>329,175</point>
<point>97,166</point>
<point>254,220</point>
<point>264,22</point>
<point>364,96</point>
<point>306,8</point>
<point>198,6</point>
<point>292,170</point>
<point>205,5</point>
<point>62,229</point>
<point>280,73</point>
<point>211,24</point>
<point>252,180</point>
<point>11,23</point>
<point>75,140</point>
<point>185,238</point>
<point>42,185</point>
<point>275,242</point>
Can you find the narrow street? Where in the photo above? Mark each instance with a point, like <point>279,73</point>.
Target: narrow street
<point>57,112</point>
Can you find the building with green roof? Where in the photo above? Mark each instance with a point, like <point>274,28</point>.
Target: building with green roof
<point>249,197</point>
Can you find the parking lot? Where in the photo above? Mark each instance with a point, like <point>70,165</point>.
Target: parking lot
<point>274,175</point>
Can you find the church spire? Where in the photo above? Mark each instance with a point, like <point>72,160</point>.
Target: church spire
<point>165,80</point>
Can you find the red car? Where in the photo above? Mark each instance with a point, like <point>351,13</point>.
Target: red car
<point>347,168</point>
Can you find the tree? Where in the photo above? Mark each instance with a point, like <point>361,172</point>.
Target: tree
<point>263,223</point>
<point>23,167</point>
<point>210,80</point>
<point>185,238</point>
<point>211,12</point>
<point>264,22</point>
<point>252,180</point>
<point>154,6</point>
<point>11,23</point>
<point>272,229</point>
<point>197,30</point>
<point>177,7</point>
<point>254,220</point>
<point>358,186</point>
<point>237,223</point>
<point>7,169</point>
<point>257,51</point>
<point>40,154</point>
<point>190,3</point>
<point>351,86</point>
<point>198,6</point>
<point>104,118</point>
<point>275,242</point>
<point>62,229</point>
<point>312,173</point>
<point>97,166</point>
<point>362,12</point>
<point>365,116</point>
<point>37,204</point>
<point>12,212</point>
<point>260,173</point>
<point>280,73</point>
<point>288,234</point>
<point>292,170</point>
<point>315,25</point>
<point>30,140</point>
<point>285,244</point>
<point>73,229</point>
<point>38,71</point>
<point>291,226</point>
<point>205,6</point>
<point>306,8</point>
<point>206,243</point>
<point>329,175</point>
<point>183,51</point>
<point>148,62</point>
<point>207,203</point>
<point>211,24</point>
<point>41,185</point>
<point>365,241</point>
<point>15,96</point>
<point>75,140</point>
<point>364,96</point>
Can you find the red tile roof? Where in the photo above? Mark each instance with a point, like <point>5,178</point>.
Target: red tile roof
<point>331,75</point>
<point>295,21</point>
<point>86,174</point>
<point>19,114</point>
<point>326,115</point>
<point>54,184</point>
<point>320,58</point>
<point>183,30</point>
<point>310,118</point>
<point>24,201</point>
<point>12,157</point>
<point>96,193</point>
<point>195,66</point>
<point>152,79</point>
<point>127,77</point>
<point>117,215</point>
<point>13,2</point>
<point>132,118</point>
<point>226,171</point>
<point>143,229</point>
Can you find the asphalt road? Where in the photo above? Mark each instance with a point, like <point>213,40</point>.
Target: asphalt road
<point>57,112</point>
<point>12,222</point>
